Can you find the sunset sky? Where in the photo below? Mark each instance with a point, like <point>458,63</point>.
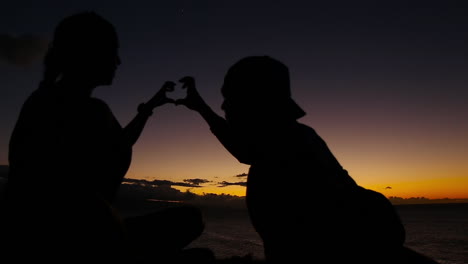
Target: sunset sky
<point>386,86</point>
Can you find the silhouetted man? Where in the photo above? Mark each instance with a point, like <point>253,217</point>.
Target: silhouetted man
<point>301,201</point>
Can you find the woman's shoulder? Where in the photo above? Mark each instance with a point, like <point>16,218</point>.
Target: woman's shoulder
<point>39,102</point>
<point>97,108</point>
<point>98,104</point>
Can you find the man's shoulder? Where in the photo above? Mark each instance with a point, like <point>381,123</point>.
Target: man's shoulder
<point>307,131</point>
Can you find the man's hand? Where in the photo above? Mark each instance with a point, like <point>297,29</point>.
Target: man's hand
<point>193,100</point>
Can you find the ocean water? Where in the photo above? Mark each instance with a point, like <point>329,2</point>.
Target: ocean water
<point>439,231</point>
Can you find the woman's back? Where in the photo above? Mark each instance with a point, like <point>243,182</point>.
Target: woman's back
<point>52,197</point>
<point>61,142</point>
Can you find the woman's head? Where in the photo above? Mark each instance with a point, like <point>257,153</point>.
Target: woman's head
<point>84,45</point>
<point>256,88</point>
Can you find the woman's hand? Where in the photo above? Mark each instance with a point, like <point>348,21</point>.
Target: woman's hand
<point>193,100</point>
<point>160,97</point>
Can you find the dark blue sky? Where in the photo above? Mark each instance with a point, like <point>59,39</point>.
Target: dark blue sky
<point>387,78</point>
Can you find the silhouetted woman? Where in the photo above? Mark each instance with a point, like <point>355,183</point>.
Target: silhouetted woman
<point>68,155</point>
<point>301,201</point>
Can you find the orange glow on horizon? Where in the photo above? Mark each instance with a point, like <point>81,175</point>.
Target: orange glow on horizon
<point>435,188</point>
<point>228,190</point>
<point>438,188</point>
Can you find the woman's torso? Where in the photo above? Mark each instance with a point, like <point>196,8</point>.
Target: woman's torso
<point>66,145</point>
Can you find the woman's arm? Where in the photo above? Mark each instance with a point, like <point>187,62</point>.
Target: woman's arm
<point>134,129</point>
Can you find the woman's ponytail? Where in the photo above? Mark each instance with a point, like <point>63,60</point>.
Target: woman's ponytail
<point>52,69</point>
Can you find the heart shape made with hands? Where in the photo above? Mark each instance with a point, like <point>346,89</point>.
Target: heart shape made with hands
<point>179,93</point>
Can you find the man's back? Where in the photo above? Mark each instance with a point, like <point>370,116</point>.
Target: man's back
<point>303,203</point>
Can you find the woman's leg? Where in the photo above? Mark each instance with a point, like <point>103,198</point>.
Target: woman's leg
<point>164,233</point>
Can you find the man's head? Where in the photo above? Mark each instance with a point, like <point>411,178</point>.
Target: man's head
<point>258,87</point>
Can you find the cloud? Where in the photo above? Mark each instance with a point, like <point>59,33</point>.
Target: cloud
<point>196,181</point>
<point>134,195</point>
<point>242,175</point>
<point>138,194</point>
<point>191,183</point>
<point>162,182</point>
<point>136,190</point>
<point>225,183</point>
<point>163,189</point>
<point>22,50</point>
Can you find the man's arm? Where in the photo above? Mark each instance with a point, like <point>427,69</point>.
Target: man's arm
<point>218,125</point>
